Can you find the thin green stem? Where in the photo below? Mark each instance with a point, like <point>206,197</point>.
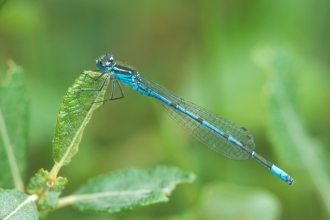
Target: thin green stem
<point>56,168</point>
<point>9,148</point>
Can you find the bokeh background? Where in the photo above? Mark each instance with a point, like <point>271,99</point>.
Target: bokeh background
<point>232,57</point>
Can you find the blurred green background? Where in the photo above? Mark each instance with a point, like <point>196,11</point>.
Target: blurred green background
<point>213,53</point>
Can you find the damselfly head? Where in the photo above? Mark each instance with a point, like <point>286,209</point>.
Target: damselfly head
<point>105,62</point>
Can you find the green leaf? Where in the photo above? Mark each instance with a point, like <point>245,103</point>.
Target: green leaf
<point>49,201</point>
<point>37,182</point>
<point>127,189</point>
<point>227,201</point>
<point>13,128</point>
<point>41,178</point>
<point>59,184</point>
<point>16,205</point>
<point>74,114</point>
<point>41,181</point>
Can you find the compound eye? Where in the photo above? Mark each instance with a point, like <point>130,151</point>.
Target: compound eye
<point>101,65</point>
<point>104,64</point>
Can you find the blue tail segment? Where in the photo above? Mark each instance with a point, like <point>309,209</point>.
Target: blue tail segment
<point>219,134</point>
<point>281,174</point>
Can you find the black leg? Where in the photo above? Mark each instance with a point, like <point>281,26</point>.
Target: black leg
<point>99,77</point>
<point>113,91</point>
<point>95,79</point>
<point>112,88</point>
<point>120,89</point>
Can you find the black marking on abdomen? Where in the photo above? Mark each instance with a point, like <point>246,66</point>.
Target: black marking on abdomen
<point>200,120</point>
<point>173,105</point>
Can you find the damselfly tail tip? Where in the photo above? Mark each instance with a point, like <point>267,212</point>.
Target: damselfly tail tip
<point>281,174</point>
<point>289,180</point>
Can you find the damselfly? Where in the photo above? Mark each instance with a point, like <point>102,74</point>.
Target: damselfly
<point>219,134</point>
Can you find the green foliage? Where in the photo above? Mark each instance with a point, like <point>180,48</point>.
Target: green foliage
<point>37,181</point>
<point>200,51</point>
<point>41,178</point>
<point>16,205</point>
<point>14,110</point>
<point>127,189</point>
<point>122,190</point>
<point>74,114</point>
<point>36,185</point>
